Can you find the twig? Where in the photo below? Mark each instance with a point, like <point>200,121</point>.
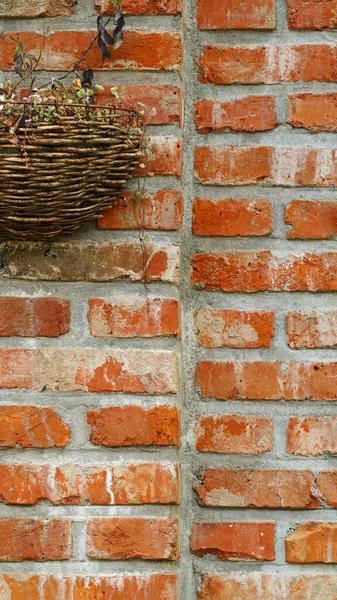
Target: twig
<point>29,74</point>
<point>77,64</point>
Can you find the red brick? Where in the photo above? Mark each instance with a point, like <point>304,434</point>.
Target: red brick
<point>253,113</point>
<point>32,427</point>
<point>23,484</point>
<point>233,165</point>
<point>312,543</point>
<point>327,486</point>
<point>131,317</point>
<point>256,586</point>
<point>230,218</point>
<point>134,484</point>
<point>311,220</point>
<point>38,8</point>
<point>236,14</point>
<point>312,330</point>
<point>257,489</point>
<point>104,485</point>
<point>121,538</point>
<point>234,328</point>
<point>149,50</point>
<point>161,104</point>
<point>164,157</point>
<point>267,380</point>
<point>265,165</point>
<point>161,210</point>
<point>116,426</point>
<point>312,436</point>
<point>31,539</point>
<point>157,586</point>
<point>90,261</point>
<point>234,541</point>
<point>34,317</point>
<point>140,7</point>
<point>268,64</point>
<point>232,434</point>
<point>262,271</point>
<point>312,14</point>
<point>316,112</point>
<point>64,370</point>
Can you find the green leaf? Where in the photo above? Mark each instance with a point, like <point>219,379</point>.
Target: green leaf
<point>18,51</point>
<point>114,91</point>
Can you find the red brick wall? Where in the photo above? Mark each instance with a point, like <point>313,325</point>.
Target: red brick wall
<point>176,440</point>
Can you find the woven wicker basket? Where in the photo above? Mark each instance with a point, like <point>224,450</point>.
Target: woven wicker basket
<point>63,174</point>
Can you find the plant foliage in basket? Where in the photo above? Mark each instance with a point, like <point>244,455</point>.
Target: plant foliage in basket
<point>63,158</point>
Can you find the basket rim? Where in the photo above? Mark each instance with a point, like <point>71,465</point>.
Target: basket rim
<point>85,106</point>
<point>111,111</point>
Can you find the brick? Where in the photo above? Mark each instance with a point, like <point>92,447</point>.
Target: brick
<point>32,427</point>
<point>263,271</point>
<point>69,484</point>
<point>231,218</point>
<point>257,489</point>
<point>312,543</point>
<point>32,539</point>
<point>256,586</point>
<point>312,14</point>
<point>234,541</point>
<point>157,586</point>
<point>315,112</point>
<point>233,165</point>
<point>122,538</point>
<point>265,165</point>
<point>161,104</point>
<point>134,484</point>
<point>34,317</point>
<point>38,8</point>
<point>327,486</point>
<point>116,426</point>
<point>163,157</point>
<point>141,7</point>
<point>311,220</point>
<point>268,64</point>
<point>23,484</point>
<point>132,317</point>
<point>267,380</point>
<point>234,328</point>
<point>141,50</point>
<point>237,14</point>
<point>312,436</point>
<point>64,370</point>
<point>89,261</point>
<point>232,434</point>
<point>312,329</point>
<point>253,113</point>
<point>161,210</point>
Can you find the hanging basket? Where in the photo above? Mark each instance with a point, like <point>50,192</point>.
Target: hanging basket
<point>61,174</point>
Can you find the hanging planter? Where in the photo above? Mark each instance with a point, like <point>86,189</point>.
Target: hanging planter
<point>63,173</point>
<point>63,159</point>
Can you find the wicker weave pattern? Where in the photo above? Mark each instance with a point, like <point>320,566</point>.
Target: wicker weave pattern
<point>65,173</point>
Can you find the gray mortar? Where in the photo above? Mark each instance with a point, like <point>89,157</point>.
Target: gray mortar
<point>73,407</point>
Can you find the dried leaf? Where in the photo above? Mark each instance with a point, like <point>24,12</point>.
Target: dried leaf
<point>118,31</point>
<point>87,77</point>
<point>104,39</point>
